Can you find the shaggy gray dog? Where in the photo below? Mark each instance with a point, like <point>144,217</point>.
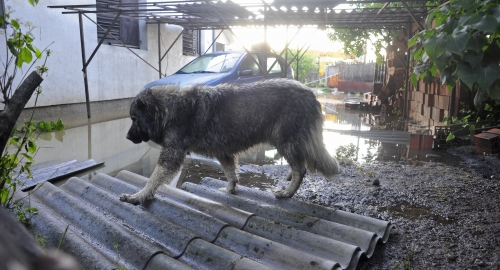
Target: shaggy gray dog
<point>222,121</point>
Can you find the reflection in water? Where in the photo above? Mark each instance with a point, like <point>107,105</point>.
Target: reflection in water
<point>105,142</point>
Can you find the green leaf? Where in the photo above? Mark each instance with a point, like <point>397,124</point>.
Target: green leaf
<point>494,90</point>
<point>486,23</point>
<point>15,24</point>
<point>435,46</point>
<point>449,25</point>
<point>443,61</point>
<point>12,159</point>
<point>428,33</point>
<point>446,75</point>
<point>433,70</point>
<point>431,17</point>
<point>59,125</point>
<point>457,42</point>
<point>487,107</point>
<point>4,195</point>
<point>28,157</point>
<point>440,18</point>
<point>488,75</point>
<point>496,12</point>
<point>31,147</point>
<point>12,47</point>
<point>24,56</point>
<point>38,53</point>
<point>412,41</point>
<point>467,74</point>
<point>418,53</point>
<point>414,80</point>
<point>473,58</point>
<point>450,137</point>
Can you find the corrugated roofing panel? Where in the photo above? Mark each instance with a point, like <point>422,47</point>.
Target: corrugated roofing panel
<point>197,227</point>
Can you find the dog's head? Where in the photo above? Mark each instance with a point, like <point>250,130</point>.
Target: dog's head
<point>141,122</point>
<point>149,112</point>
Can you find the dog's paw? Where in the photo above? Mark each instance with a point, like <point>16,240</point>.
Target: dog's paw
<point>282,194</point>
<point>228,191</point>
<point>129,198</point>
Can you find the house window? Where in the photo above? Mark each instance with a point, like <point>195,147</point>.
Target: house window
<point>126,29</point>
<point>190,42</point>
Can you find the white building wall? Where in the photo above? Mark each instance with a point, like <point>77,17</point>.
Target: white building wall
<point>114,72</point>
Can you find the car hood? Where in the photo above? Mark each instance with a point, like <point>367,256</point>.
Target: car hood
<point>187,79</point>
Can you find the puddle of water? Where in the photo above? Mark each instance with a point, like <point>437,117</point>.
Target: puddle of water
<point>415,212</point>
<point>104,141</point>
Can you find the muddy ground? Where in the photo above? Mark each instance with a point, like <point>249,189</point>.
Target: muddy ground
<point>445,216</point>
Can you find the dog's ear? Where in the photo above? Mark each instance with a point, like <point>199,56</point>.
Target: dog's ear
<point>140,105</point>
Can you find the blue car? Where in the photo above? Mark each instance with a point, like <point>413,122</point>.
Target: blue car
<point>228,67</point>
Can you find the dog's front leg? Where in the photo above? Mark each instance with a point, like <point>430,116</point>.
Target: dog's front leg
<point>168,166</point>
<point>229,164</point>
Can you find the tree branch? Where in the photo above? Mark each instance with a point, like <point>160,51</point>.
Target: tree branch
<point>15,105</point>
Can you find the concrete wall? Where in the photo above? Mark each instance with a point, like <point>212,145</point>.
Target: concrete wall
<point>114,73</point>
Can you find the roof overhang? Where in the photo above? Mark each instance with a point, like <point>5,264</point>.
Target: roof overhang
<point>222,15</point>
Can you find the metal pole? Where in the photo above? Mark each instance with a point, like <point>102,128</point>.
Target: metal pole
<point>102,39</point>
<point>159,51</point>
<point>407,74</point>
<point>265,41</point>
<point>213,40</point>
<point>82,44</point>
<point>173,43</point>
<point>286,53</point>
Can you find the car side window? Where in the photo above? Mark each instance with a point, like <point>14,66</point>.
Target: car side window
<point>277,66</point>
<point>249,64</point>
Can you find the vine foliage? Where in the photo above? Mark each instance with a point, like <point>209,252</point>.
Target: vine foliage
<point>461,42</point>
<point>20,148</point>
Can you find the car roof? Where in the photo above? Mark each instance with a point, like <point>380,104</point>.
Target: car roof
<point>239,51</point>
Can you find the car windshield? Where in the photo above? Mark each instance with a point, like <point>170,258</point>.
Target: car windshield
<point>218,63</point>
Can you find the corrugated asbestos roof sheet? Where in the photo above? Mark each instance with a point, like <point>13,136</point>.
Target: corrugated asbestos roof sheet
<point>197,227</point>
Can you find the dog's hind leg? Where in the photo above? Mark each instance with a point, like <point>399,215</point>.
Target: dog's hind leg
<point>229,165</point>
<point>167,168</point>
<point>297,173</point>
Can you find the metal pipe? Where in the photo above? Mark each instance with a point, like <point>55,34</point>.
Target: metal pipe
<point>159,51</point>
<point>102,39</point>
<point>121,43</point>
<point>263,70</point>
<point>169,48</point>
<point>86,83</point>
<point>407,74</point>
<point>213,41</point>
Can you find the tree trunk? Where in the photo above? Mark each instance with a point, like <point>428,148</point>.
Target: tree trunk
<point>15,105</point>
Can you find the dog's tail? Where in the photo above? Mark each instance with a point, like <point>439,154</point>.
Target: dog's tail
<point>318,158</point>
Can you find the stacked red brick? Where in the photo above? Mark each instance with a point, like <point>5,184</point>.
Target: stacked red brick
<point>488,142</point>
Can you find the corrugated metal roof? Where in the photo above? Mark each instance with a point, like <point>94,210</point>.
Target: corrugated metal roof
<point>197,227</point>
<point>221,14</point>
